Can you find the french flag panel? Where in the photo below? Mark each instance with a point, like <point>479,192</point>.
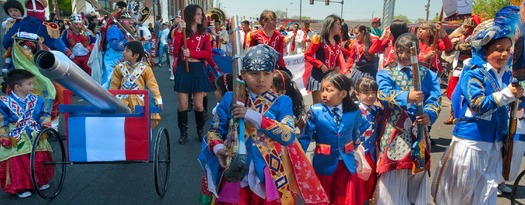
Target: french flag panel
<point>95,139</point>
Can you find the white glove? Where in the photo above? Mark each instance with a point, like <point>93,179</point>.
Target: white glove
<point>72,56</point>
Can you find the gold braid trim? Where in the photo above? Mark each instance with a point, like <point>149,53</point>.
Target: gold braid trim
<point>476,103</point>
<point>391,99</point>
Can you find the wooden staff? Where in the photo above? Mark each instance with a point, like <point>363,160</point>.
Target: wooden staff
<point>181,5</point>
<point>434,42</point>
<point>513,122</point>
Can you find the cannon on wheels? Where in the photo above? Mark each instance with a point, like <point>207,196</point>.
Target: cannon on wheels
<point>104,131</point>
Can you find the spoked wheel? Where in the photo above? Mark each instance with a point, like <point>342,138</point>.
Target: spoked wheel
<point>518,190</point>
<point>48,169</point>
<point>161,161</point>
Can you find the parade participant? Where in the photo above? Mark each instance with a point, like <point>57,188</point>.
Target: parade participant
<point>270,36</point>
<point>295,39</point>
<point>268,132</point>
<point>15,11</point>
<point>195,81</point>
<point>386,42</point>
<point>245,30</point>
<point>26,37</point>
<point>375,30</point>
<point>308,35</point>
<point>366,93</point>
<point>361,54</point>
<point>23,115</point>
<point>398,182</point>
<point>336,123</point>
<point>133,74</point>
<point>471,168</point>
<point>283,85</point>
<point>143,32</point>
<point>430,54</point>
<point>165,32</point>
<point>461,41</point>
<point>78,43</point>
<point>345,42</point>
<point>224,84</point>
<point>115,41</point>
<point>323,54</point>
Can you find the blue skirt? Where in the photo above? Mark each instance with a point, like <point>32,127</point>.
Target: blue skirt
<point>196,80</point>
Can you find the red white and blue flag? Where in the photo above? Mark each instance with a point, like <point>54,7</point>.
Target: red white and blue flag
<point>100,139</point>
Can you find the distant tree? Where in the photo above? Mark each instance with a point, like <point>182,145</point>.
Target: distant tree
<point>419,20</point>
<point>304,17</point>
<point>486,9</point>
<point>280,14</point>
<point>402,17</point>
<point>64,6</point>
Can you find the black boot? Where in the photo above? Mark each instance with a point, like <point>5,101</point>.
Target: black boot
<point>205,103</point>
<point>200,120</point>
<point>183,126</point>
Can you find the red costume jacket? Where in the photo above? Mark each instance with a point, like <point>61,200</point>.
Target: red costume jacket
<point>276,42</point>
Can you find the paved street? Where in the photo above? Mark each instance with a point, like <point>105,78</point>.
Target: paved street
<point>134,183</point>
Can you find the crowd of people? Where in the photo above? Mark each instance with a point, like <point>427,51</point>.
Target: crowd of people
<point>376,94</point>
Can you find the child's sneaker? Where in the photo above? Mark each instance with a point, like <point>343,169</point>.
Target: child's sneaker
<point>43,187</point>
<point>24,194</point>
<point>504,189</point>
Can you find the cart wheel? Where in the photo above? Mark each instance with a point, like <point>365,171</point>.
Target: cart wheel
<point>51,170</point>
<point>161,161</point>
<point>518,189</point>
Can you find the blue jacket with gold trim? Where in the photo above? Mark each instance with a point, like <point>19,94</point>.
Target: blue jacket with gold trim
<point>332,142</point>
<point>482,111</point>
<point>46,30</point>
<point>393,96</point>
<point>276,129</point>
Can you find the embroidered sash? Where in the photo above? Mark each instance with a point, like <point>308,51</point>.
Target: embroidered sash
<point>24,115</point>
<point>131,79</point>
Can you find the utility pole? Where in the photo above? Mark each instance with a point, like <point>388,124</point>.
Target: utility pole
<point>427,9</point>
<point>300,12</point>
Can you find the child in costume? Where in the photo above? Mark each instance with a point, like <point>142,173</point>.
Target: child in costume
<point>134,74</point>
<point>428,56</point>
<point>23,115</point>
<point>471,167</point>
<point>283,85</point>
<point>224,85</point>
<point>386,42</point>
<point>402,173</point>
<point>336,123</point>
<point>15,11</point>
<point>362,59</point>
<point>366,93</point>
<point>269,127</point>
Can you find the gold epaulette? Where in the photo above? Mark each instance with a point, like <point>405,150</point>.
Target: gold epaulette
<point>52,29</point>
<point>8,26</point>
<point>316,39</point>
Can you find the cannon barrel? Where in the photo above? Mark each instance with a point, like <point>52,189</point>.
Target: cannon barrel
<point>59,68</point>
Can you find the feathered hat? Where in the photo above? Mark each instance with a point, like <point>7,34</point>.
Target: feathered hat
<point>144,13</point>
<point>76,18</point>
<point>502,26</point>
<point>120,9</point>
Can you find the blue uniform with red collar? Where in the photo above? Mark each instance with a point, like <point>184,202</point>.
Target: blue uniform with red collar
<point>46,30</point>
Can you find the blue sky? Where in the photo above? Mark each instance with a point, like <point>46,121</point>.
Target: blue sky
<point>353,9</point>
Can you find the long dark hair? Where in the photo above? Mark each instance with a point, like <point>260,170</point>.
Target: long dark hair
<point>397,28</point>
<point>328,24</point>
<point>366,38</point>
<point>189,15</point>
<point>283,81</point>
<point>341,82</point>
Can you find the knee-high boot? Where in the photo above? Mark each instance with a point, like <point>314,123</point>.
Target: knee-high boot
<point>182,117</point>
<point>200,120</point>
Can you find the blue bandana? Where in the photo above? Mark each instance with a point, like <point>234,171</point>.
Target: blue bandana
<point>260,58</point>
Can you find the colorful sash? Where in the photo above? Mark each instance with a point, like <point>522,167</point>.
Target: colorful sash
<point>24,115</point>
<point>131,79</point>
